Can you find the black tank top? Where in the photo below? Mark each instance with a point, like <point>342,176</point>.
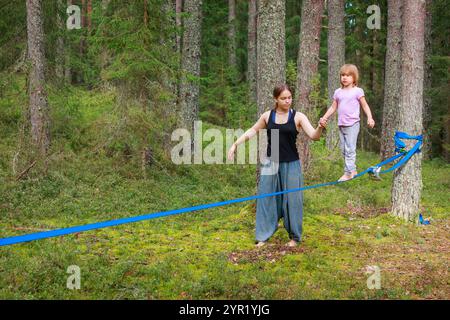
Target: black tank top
<point>287,134</point>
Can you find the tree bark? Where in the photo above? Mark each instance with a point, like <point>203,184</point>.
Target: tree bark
<point>190,64</point>
<point>336,58</point>
<point>251,49</point>
<point>67,70</point>
<point>38,104</point>
<point>392,78</point>
<point>426,149</point>
<point>407,184</point>
<point>60,54</point>
<point>232,34</point>
<point>271,60</point>
<point>307,66</point>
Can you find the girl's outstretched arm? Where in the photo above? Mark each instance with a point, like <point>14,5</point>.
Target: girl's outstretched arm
<point>260,124</point>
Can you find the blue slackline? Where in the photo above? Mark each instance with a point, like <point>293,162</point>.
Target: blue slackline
<point>400,147</point>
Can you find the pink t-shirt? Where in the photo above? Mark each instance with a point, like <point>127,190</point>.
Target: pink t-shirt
<point>348,105</point>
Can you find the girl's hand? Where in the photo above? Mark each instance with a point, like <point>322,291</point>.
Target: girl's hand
<point>371,123</point>
<point>323,122</point>
<point>231,152</point>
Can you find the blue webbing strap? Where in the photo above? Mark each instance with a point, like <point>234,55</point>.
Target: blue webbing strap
<point>110,223</point>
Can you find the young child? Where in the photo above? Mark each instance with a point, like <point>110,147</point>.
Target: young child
<point>347,101</point>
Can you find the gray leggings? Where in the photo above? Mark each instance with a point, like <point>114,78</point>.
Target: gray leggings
<point>289,206</point>
<point>349,137</point>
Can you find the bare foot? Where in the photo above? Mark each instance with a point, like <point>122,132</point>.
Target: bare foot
<point>260,244</point>
<point>353,174</point>
<point>345,177</point>
<point>292,243</point>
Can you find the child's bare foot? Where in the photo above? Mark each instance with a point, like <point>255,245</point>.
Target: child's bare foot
<point>260,244</point>
<point>345,177</point>
<point>353,174</point>
<point>292,243</point>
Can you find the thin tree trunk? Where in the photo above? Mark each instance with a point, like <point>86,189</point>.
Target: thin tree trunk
<point>407,184</point>
<point>426,150</point>
<point>307,66</point>
<point>232,33</point>
<point>60,55</point>
<point>336,58</point>
<point>251,49</point>
<point>67,70</point>
<point>145,13</point>
<point>392,78</point>
<point>38,98</point>
<point>190,64</point>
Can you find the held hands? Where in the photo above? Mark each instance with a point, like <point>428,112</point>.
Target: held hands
<point>370,123</point>
<point>323,123</point>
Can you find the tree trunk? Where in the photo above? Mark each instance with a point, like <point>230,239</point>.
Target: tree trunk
<point>426,149</point>
<point>38,98</point>
<point>307,66</point>
<point>190,64</point>
<point>407,184</point>
<point>336,58</point>
<point>67,70</point>
<point>145,13</point>
<point>232,34</point>
<point>178,11</point>
<point>60,55</point>
<point>251,49</point>
<point>392,78</point>
<point>271,59</point>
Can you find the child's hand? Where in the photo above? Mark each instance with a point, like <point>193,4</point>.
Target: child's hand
<point>231,152</point>
<point>323,122</point>
<point>371,123</point>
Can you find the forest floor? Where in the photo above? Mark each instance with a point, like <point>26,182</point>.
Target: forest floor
<point>210,254</point>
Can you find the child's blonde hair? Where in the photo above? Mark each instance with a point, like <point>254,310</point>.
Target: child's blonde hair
<point>352,70</point>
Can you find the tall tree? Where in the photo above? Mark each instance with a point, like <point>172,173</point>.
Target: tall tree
<point>251,48</point>
<point>307,66</point>
<point>232,33</point>
<point>407,184</point>
<point>426,150</point>
<point>60,54</point>
<point>38,105</point>
<point>190,63</point>
<point>392,78</point>
<point>178,11</point>
<point>271,60</point>
<point>336,58</point>
<point>271,56</point>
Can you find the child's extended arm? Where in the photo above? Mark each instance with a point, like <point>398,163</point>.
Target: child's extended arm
<point>308,128</point>
<point>365,107</point>
<point>331,110</point>
<point>260,124</point>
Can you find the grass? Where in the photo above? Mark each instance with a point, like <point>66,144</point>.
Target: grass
<point>210,254</point>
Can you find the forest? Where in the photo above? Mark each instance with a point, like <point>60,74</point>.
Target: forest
<point>96,95</point>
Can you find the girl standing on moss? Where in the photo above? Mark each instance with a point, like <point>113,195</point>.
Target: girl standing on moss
<point>283,170</point>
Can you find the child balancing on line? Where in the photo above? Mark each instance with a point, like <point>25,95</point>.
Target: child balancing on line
<point>347,100</point>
